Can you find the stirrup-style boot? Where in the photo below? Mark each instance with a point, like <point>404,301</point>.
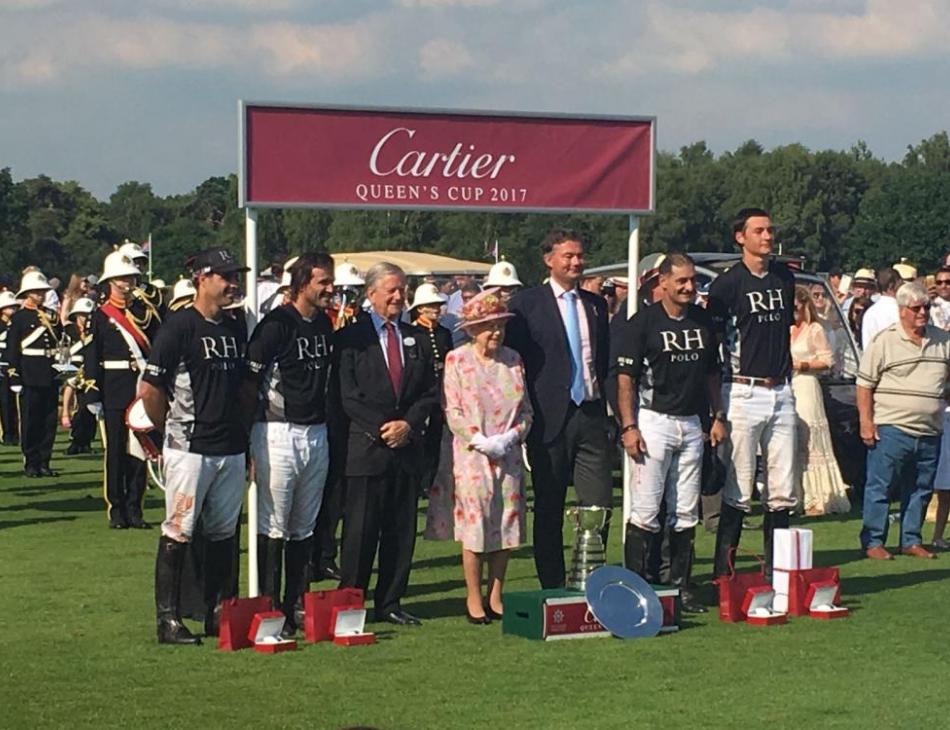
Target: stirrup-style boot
<point>297,582</point>
<point>636,549</point>
<point>168,568</point>
<point>727,538</point>
<point>681,568</point>
<point>219,580</point>
<point>270,568</point>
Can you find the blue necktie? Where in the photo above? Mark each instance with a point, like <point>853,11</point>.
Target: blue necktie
<point>574,342</point>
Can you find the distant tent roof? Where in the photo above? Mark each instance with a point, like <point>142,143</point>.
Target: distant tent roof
<point>413,263</point>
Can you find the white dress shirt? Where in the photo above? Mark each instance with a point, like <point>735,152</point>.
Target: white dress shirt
<point>587,353</point>
<point>383,335</point>
<point>878,317</point>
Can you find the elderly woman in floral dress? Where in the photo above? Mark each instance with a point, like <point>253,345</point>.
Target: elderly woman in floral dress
<point>488,413</point>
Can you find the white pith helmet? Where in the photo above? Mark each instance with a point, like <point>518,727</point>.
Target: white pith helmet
<point>33,281</point>
<point>427,294</point>
<point>83,305</point>
<point>118,264</point>
<point>503,274</point>
<point>346,274</point>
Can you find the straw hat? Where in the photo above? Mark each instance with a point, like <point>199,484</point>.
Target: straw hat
<point>483,307</point>
<point>427,294</point>
<point>83,305</point>
<point>118,264</point>
<point>865,276</point>
<point>33,280</point>
<point>503,274</point>
<point>907,272</point>
<point>346,274</point>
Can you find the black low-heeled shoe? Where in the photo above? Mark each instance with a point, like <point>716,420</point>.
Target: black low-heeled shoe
<point>492,614</point>
<point>477,620</point>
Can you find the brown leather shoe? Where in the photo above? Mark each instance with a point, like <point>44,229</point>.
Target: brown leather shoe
<point>879,552</point>
<point>918,551</point>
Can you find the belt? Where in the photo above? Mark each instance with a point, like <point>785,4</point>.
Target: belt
<point>37,352</point>
<point>119,365</point>
<point>761,382</point>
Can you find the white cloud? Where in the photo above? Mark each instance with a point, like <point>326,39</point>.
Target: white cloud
<point>444,57</point>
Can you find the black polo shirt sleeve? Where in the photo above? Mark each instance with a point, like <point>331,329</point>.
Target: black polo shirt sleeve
<point>627,346</point>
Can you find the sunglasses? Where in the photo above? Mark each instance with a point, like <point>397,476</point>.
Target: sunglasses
<point>919,308</point>
<point>943,282</point>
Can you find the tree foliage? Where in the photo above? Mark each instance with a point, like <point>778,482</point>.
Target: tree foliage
<point>844,208</point>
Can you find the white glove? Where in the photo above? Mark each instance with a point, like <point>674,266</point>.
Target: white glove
<point>510,439</point>
<point>479,442</point>
<point>16,388</point>
<point>95,409</point>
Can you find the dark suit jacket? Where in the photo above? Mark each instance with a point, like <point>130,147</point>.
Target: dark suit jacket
<point>368,401</point>
<point>537,333</point>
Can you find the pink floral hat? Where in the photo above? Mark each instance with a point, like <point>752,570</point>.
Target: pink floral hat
<point>484,307</point>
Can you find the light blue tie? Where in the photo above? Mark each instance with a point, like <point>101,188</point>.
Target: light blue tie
<point>574,342</point>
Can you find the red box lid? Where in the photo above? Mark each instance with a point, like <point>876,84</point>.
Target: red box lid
<point>264,624</point>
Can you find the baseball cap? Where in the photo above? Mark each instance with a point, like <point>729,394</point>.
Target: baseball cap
<point>215,261</point>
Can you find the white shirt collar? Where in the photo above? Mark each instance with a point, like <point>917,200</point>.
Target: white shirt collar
<point>559,290</point>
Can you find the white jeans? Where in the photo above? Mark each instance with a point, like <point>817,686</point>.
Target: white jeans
<point>672,466</point>
<point>761,420</point>
<point>211,487</point>
<point>290,468</point>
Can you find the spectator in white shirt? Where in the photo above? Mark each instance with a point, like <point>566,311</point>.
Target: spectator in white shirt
<point>883,313</point>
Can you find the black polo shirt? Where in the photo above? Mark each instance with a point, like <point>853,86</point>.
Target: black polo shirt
<point>753,316</point>
<point>669,358</point>
<point>288,358</point>
<point>200,365</point>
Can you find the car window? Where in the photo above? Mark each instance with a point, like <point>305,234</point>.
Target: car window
<point>840,338</point>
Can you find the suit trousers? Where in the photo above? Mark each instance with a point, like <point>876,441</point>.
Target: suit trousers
<point>84,427</point>
<point>328,520</point>
<point>37,424</point>
<point>124,474</point>
<point>580,455</point>
<point>380,514</point>
<point>9,416</point>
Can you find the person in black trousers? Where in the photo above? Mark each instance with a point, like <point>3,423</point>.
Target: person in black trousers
<point>32,342</point>
<point>387,388</point>
<point>9,418</point>
<point>561,333</point>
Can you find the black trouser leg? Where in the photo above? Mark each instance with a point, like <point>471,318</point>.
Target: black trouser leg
<point>297,581</point>
<point>432,446</point>
<point>727,538</point>
<point>49,398</point>
<point>586,432</point>
<point>135,478</point>
<point>636,550</point>
<point>549,475</point>
<point>681,567</point>
<point>168,570</point>
<point>360,530</point>
<point>328,520</point>
<point>397,541</point>
<point>219,580</point>
<point>270,556</point>
<point>116,460</point>
<point>32,404</point>
<point>9,417</point>
<point>771,521</point>
<point>84,428</point>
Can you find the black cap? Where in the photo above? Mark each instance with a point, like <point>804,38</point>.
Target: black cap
<point>215,261</point>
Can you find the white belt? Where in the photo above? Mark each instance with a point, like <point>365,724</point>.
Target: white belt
<point>119,365</point>
<point>37,352</point>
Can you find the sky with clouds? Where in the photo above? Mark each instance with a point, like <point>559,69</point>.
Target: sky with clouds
<point>110,90</point>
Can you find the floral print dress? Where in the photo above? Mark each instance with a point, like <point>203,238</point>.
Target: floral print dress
<point>483,500</point>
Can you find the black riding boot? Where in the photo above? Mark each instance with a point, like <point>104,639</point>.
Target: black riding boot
<point>297,580</point>
<point>727,538</point>
<point>219,580</point>
<point>771,521</point>
<point>168,567</point>
<point>636,549</point>
<point>681,568</point>
<point>270,558</point>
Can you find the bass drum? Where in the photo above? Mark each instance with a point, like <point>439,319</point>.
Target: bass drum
<point>148,440</point>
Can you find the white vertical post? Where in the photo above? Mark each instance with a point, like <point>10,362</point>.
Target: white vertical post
<point>633,264</point>
<point>149,256</point>
<point>250,298</point>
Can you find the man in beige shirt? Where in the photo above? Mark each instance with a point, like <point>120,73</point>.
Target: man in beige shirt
<point>901,394</point>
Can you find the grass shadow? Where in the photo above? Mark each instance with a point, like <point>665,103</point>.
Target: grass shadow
<point>34,521</point>
<point>867,584</point>
<point>84,504</point>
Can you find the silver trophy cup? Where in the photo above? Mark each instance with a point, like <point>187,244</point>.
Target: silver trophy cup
<point>589,552</point>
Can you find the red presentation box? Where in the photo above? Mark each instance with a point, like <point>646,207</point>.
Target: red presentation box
<point>265,633</point>
<point>318,611</point>
<point>757,607</point>
<point>349,627</point>
<point>821,600</point>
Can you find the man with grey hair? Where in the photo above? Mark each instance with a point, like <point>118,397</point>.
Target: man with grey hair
<point>901,394</point>
<point>386,382</point>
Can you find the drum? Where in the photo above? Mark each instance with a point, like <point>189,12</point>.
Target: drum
<point>148,438</point>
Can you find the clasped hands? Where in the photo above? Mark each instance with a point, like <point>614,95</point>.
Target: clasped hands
<point>395,434</point>
<point>495,447</point>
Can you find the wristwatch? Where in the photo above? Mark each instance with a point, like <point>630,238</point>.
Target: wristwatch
<point>628,427</point>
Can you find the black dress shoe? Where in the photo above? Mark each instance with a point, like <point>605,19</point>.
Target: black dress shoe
<point>400,618</point>
<point>477,620</point>
<point>45,471</point>
<point>330,571</point>
<point>172,631</point>
<point>72,450</point>
<point>32,472</point>
<point>689,604</point>
<point>139,524</point>
<point>117,525</point>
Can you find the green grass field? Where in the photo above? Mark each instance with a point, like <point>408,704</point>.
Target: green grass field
<point>77,646</point>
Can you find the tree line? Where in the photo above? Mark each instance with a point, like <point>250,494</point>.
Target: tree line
<point>835,208</point>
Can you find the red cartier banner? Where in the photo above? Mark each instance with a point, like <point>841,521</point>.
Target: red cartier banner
<point>382,158</point>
